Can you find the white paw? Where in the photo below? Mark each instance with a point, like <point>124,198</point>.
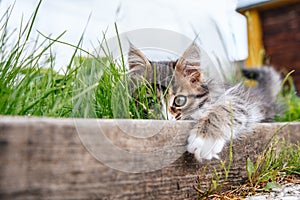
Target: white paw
<point>204,148</point>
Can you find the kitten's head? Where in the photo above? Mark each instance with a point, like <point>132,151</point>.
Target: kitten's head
<point>186,89</point>
<point>188,92</point>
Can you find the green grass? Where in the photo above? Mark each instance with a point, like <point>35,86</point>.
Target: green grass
<point>291,103</point>
<point>91,86</point>
<point>28,83</point>
<point>277,164</point>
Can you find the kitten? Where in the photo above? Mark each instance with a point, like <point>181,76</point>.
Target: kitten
<point>221,111</point>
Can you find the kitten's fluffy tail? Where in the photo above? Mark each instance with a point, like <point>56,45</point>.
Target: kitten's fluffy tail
<point>269,80</point>
<point>269,86</point>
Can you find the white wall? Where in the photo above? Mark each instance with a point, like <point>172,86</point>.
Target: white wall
<point>187,17</point>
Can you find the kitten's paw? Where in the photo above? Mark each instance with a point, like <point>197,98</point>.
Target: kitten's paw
<point>204,148</point>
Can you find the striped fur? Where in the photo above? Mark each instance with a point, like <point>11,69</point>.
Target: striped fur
<point>221,111</point>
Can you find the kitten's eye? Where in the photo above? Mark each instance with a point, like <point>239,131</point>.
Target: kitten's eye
<point>180,101</point>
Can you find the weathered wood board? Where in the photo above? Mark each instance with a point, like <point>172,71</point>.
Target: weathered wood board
<point>44,158</point>
<point>281,33</point>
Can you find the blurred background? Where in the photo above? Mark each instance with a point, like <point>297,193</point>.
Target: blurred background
<point>274,34</point>
<point>259,32</point>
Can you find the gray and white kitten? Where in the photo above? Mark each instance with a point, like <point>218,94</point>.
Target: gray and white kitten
<point>221,111</point>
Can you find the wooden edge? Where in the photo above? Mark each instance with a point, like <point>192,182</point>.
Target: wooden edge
<point>44,158</point>
<point>255,40</point>
<point>268,5</point>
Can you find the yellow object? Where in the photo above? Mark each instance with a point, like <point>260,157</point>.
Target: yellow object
<point>255,42</point>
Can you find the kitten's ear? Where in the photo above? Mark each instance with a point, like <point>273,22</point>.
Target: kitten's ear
<point>189,64</point>
<point>136,58</point>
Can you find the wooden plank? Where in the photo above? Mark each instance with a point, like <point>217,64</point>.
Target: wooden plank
<point>268,5</point>
<point>281,33</point>
<point>44,158</point>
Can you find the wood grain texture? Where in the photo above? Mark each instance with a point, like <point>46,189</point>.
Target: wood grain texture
<point>281,36</point>
<point>44,158</point>
<point>255,41</point>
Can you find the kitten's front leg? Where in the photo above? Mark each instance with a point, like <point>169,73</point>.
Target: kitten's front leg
<point>234,113</point>
<point>206,139</point>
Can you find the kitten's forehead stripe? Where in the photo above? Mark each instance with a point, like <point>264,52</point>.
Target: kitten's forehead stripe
<point>161,72</point>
